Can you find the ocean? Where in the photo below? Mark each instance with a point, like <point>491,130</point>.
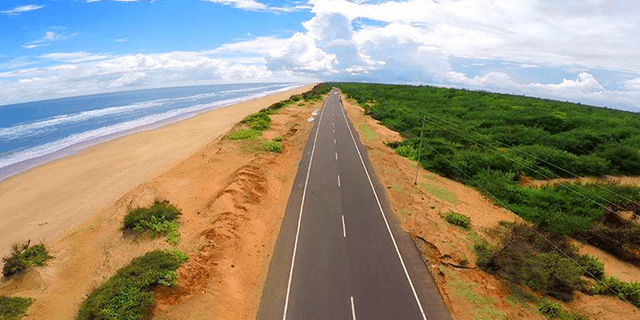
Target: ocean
<point>37,132</point>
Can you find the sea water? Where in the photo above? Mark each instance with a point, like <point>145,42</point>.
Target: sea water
<point>36,132</point>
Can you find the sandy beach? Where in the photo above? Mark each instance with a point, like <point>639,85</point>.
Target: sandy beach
<point>42,203</point>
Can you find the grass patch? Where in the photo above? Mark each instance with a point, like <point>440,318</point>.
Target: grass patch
<point>367,133</point>
<point>161,218</point>
<point>245,134</point>
<point>13,308</point>
<point>272,146</point>
<point>23,256</point>
<point>129,293</point>
<point>458,219</point>
<point>483,306</point>
<point>440,193</point>
<point>553,310</point>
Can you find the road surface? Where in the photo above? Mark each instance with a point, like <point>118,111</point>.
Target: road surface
<point>340,253</point>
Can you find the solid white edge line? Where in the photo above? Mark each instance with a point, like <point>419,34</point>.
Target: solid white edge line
<point>304,193</point>
<point>415,294</point>
<point>344,228</point>
<point>353,309</point>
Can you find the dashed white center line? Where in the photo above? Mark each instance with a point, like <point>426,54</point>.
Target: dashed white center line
<point>344,229</point>
<point>338,180</point>
<point>336,156</point>
<point>353,309</point>
<point>334,130</point>
<point>334,140</point>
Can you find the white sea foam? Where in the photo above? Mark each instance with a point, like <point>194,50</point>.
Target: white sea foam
<point>114,130</point>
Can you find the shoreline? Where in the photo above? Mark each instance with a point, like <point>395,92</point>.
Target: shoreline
<point>43,202</point>
<point>24,165</point>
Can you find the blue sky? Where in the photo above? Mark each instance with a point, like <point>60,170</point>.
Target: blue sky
<point>583,51</point>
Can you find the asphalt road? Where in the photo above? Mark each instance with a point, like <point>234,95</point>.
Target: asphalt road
<point>340,253</point>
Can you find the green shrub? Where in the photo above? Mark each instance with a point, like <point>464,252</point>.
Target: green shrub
<point>129,293</point>
<point>594,267</point>
<point>458,219</point>
<point>14,308</point>
<point>407,151</point>
<point>277,139</point>
<point>161,218</point>
<point>629,291</point>
<point>258,121</point>
<point>22,256</point>
<point>245,134</point>
<point>548,308</point>
<point>272,146</point>
<point>553,310</point>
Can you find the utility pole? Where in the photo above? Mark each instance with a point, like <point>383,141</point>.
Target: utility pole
<point>419,150</point>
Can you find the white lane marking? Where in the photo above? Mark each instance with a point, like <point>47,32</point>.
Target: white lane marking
<point>334,130</point>
<point>304,194</point>
<point>334,140</point>
<point>336,156</point>
<point>393,239</point>
<point>344,229</point>
<point>338,180</point>
<point>353,309</point>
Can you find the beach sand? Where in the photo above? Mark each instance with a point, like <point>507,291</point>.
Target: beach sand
<point>42,203</point>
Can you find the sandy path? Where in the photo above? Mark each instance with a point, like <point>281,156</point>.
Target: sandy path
<point>41,203</point>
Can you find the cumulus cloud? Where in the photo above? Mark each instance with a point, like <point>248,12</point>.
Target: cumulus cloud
<point>21,9</point>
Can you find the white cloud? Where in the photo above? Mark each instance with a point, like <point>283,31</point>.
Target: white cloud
<point>75,57</point>
<point>632,85</point>
<point>82,73</point>
<point>252,5</point>
<point>21,9</point>
<point>49,36</point>
<point>120,40</point>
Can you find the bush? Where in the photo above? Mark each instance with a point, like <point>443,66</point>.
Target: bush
<point>527,259</point>
<point>629,291</point>
<point>245,134</point>
<point>594,267</point>
<point>129,293</point>
<point>258,121</point>
<point>272,146</point>
<point>14,308</point>
<point>553,310</point>
<point>22,256</point>
<point>407,151</point>
<point>458,219</point>
<point>158,219</point>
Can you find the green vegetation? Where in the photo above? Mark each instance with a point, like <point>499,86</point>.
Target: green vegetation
<point>525,258</point>
<point>594,267</point>
<point>367,133</point>
<point>492,141</point>
<point>629,291</point>
<point>22,256</point>
<point>272,146</point>
<point>13,308</point>
<point>129,293</point>
<point>161,218</point>
<point>440,192</point>
<point>458,219</point>
<point>483,306</point>
<point>553,310</point>
<point>245,134</point>
<point>258,121</point>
